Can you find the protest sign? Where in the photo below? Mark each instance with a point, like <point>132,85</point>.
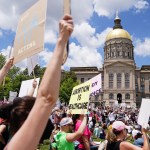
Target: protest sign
<point>31,63</point>
<point>12,96</point>
<point>29,38</point>
<point>96,85</point>
<point>26,86</point>
<point>144,112</point>
<point>80,98</point>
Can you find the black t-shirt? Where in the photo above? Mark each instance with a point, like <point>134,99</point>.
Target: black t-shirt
<point>48,131</point>
<point>113,145</point>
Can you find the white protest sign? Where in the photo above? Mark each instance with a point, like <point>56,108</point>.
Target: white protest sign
<point>96,85</point>
<point>144,112</point>
<point>29,38</point>
<point>80,98</point>
<point>12,96</point>
<point>31,63</point>
<point>26,86</point>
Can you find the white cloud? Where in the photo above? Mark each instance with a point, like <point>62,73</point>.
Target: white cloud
<point>108,9</point>
<point>141,4</point>
<point>142,47</point>
<point>87,36</point>
<point>44,57</point>
<point>6,51</point>
<point>83,56</point>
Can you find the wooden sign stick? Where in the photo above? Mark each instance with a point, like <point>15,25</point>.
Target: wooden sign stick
<point>67,10</point>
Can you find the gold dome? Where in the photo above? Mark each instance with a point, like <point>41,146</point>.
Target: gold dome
<point>118,33</point>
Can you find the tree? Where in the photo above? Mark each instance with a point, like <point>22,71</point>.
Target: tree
<point>68,82</point>
<point>2,60</point>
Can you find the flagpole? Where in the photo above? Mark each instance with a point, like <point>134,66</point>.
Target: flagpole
<point>12,44</point>
<point>32,68</point>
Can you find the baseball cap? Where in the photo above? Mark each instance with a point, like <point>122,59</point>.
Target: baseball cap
<point>119,126</point>
<point>65,121</point>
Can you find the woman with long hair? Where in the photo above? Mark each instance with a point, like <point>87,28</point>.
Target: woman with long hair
<point>116,138</point>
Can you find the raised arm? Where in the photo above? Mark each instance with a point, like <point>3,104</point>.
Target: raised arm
<point>27,138</point>
<point>34,85</point>
<point>6,68</point>
<point>76,135</point>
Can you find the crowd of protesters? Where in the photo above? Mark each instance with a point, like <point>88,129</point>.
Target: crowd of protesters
<point>27,121</point>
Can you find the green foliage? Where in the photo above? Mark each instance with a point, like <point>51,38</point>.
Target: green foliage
<point>2,60</point>
<point>68,82</point>
<point>44,146</point>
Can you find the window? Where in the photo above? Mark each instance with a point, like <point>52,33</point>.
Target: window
<point>111,80</point>
<point>136,87</point>
<point>127,80</point>
<point>128,54</point>
<point>118,80</point>
<point>127,96</point>
<point>82,80</point>
<point>136,79</point>
<point>111,96</point>
<point>142,79</point>
<point>142,88</point>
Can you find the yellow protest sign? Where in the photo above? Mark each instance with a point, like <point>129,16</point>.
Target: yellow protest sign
<point>29,38</point>
<point>80,98</point>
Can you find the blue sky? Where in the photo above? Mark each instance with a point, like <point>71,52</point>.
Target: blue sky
<point>93,20</point>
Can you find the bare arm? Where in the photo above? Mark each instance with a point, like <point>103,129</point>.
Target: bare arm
<point>74,136</point>
<point>86,142</point>
<point>6,68</point>
<point>129,146</point>
<point>30,132</point>
<point>34,85</point>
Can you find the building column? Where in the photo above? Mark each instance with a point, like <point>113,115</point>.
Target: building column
<point>115,80</point>
<point>123,80</point>
<point>131,79</point>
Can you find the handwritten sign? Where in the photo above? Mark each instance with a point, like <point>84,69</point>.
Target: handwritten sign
<point>29,38</point>
<point>96,85</point>
<point>80,98</point>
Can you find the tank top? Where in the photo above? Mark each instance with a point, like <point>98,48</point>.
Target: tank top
<point>113,145</point>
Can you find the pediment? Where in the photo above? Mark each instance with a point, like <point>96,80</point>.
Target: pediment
<point>120,64</point>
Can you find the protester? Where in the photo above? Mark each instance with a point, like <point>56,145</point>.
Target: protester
<point>6,68</point>
<point>117,136</point>
<point>84,141</point>
<point>137,136</point>
<point>28,136</point>
<point>64,139</point>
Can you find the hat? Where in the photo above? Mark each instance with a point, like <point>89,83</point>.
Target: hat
<point>119,126</point>
<point>135,133</point>
<point>65,121</point>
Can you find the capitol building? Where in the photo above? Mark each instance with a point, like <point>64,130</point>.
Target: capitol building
<point>122,80</point>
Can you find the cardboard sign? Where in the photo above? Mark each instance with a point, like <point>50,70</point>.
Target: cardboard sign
<point>26,86</point>
<point>144,113</point>
<point>80,98</point>
<point>29,38</point>
<point>96,85</point>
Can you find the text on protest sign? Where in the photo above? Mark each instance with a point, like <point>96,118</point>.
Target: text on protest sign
<point>96,85</point>
<point>29,38</point>
<point>80,98</point>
